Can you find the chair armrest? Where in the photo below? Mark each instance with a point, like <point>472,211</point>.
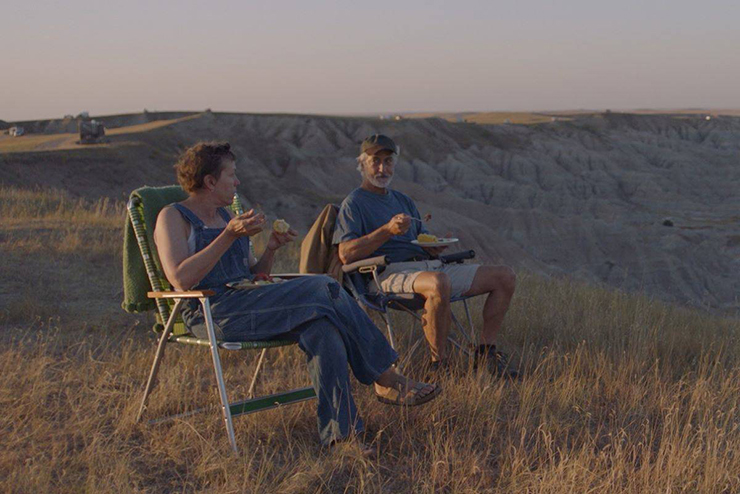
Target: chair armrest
<point>372,261</point>
<point>457,257</point>
<point>188,294</point>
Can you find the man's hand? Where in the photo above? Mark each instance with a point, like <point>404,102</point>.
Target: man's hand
<point>436,251</point>
<point>399,224</point>
<point>277,240</point>
<point>246,224</point>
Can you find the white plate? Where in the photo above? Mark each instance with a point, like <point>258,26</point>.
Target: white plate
<point>248,285</point>
<point>441,242</point>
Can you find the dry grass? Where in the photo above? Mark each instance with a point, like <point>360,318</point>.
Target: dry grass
<point>621,394</point>
<point>37,142</point>
<point>490,118</point>
<point>157,124</point>
<point>59,255</point>
<point>66,141</point>
<point>525,118</point>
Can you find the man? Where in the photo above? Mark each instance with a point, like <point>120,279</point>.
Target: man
<point>375,220</point>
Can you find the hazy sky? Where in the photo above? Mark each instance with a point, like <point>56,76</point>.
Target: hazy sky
<point>366,57</point>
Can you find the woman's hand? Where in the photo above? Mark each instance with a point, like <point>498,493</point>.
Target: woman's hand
<point>246,224</point>
<point>277,240</point>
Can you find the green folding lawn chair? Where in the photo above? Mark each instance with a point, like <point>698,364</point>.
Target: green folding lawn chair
<point>146,288</point>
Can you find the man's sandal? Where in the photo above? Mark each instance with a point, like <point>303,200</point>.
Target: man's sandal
<point>393,395</point>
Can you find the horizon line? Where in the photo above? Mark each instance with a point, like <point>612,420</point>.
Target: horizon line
<point>401,113</point>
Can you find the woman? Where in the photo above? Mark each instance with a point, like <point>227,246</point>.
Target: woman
<point>203,246</point>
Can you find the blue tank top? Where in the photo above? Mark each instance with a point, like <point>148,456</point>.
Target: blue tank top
<point>233,265</point>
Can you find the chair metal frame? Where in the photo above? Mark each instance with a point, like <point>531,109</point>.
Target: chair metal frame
<point>357,275</point>
<point>163,297</point>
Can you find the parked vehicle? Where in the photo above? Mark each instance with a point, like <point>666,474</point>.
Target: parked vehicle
<point>91,132</point>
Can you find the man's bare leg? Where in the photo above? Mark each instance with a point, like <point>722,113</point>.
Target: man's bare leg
<point>499,282</point>
<point>435,288</point>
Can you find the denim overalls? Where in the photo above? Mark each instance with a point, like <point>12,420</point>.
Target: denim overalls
<point>328,324</point>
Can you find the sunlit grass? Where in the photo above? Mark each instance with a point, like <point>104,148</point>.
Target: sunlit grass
<point>491,118</point>
<point>35,142</point>
<point>622,393</point>
<point>19,206</point>
<point>66,141</point>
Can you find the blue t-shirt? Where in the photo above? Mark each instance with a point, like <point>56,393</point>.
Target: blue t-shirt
<point>362,212</point>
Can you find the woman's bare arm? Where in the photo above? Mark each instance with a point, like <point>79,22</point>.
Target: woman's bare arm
<point>171,238</point>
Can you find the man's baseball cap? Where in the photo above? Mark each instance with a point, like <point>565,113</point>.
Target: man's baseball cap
<point>378,142</point>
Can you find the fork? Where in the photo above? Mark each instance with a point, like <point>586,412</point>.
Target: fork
<point>427,217</point>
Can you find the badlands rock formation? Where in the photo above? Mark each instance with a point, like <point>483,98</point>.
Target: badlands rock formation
<point>591,197</point>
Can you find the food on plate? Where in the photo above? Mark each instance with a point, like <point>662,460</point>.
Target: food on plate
<point>260,279</point>
<point>280,226</point>
<point>426,238</point>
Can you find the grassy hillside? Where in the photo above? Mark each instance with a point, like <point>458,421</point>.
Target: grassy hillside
<point>622,393</point>
<point>489,118</point>
<point>67,141</point>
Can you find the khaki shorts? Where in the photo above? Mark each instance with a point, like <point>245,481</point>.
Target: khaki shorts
<point>399,277</point>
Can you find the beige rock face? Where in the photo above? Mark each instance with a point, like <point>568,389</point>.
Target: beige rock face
<point>590,197</point>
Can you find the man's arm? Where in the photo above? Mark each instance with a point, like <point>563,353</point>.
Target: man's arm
<point>361,248</point>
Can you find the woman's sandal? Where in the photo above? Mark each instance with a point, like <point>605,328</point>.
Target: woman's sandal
<point>393,395</point>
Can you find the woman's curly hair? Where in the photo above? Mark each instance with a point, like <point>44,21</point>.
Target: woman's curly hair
<point>204,158</point>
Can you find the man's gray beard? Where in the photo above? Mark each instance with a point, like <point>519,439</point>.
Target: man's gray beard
<point>382,184</point>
